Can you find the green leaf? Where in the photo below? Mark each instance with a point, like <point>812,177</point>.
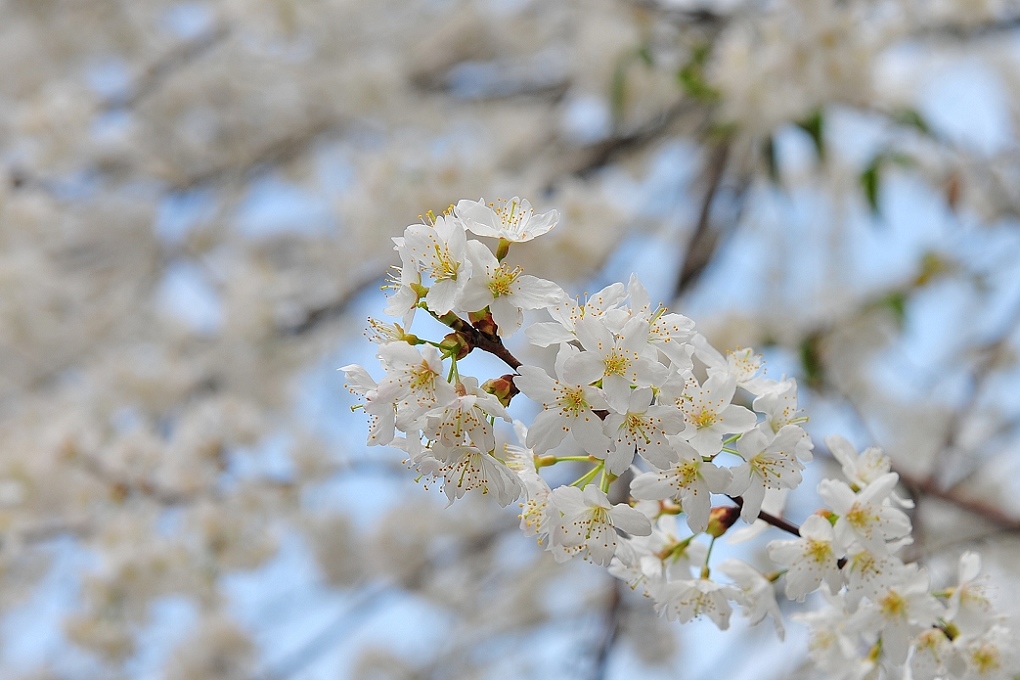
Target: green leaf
<point>691,76</point>
<point>814,125</point>
<point>896,302</point>
<point>871,177</point>
<point>645,55</point>
<point>870,180</point>
<point>618,84</point>
<point>911,118</point>
<point>618,90</point>
<point>900,158</point>
<point>811,360</point>
<point>771,162</point>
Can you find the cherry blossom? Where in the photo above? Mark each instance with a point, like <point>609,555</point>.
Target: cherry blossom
<point>690,480</point>
<point>567,408</point>
<point>617,360</point>
<point>513,220</point>
<point>744,365</point>
<point>969,607</point>
<point>441,249</point>
<point>465,418</point>
<point>902,610</point>
<point>709,410</point>
<point>414,381</point>
<point>686,599</point>
<point>779,404</point>
<point>535,517</point>
<point>759,595</point>
<point>770,462</point>
<point>869,575</point>
<point>382,413</point>
<point>625,390</point>
<point>810,560</point>
<point>467,468</point>
<point>568,312</point>
<point>588,523</point>
<point>643,429</point>
<point>863,517</point>
<point>668,332</point>
<point>504,290</point>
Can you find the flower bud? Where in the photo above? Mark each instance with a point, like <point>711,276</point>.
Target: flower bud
<point>503,388</point>
<point>455,345</point>
<point>483,322</point>
<point>721,519</point>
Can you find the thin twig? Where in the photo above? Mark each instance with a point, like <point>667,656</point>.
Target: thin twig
<point>769,518</point>
<point>160,70</point>
<point>614,612</point>
<point>989,511</point>
<point>316,317</point>
<point>701,247</point>
<point>970,31</point>
<point>276,152</point>
<point>598,156</point>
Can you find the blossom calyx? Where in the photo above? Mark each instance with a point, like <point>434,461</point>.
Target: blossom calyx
<point>503,388</point>
<point>503,249</point>
<point>483,323</point>
<point>455,345</point>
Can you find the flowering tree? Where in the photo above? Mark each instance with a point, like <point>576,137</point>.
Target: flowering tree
<point>198,199</point>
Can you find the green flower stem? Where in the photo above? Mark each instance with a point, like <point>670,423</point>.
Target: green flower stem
<point>583,480</point>
<point>705,572</point>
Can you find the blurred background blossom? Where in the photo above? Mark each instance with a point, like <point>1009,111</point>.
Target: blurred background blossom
<point>196,206</point>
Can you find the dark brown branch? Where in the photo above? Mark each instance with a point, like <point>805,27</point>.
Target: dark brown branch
<point>769,518</point>
<point>122,487</point>
<point>779,523</point>
<point>477,339</point>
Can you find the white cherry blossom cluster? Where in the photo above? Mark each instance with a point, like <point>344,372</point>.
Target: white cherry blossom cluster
<point>662,425</point>
<point>876,603</point>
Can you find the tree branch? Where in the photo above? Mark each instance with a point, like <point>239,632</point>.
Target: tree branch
<point>701,247</point>
<point>476,338</point>
<point>614,612</point>
<point>769,518</point>
<point>161,69</point>
<point>976,506</point>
